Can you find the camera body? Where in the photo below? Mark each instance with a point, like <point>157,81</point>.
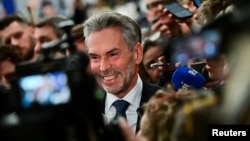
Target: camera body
<point>52,99</point>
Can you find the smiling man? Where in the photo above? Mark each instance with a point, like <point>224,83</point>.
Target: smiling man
<point>114,45</point>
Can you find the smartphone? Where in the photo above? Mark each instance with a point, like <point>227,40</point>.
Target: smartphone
<point>197,3</point>
<point>198,66</point>
<point>169,65</point>
<point>178,10</point>
<point>155,20</point>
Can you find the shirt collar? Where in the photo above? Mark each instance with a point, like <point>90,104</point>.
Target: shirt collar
<point>133,96</point>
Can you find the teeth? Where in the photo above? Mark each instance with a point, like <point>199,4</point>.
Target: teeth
<point>109,77</point>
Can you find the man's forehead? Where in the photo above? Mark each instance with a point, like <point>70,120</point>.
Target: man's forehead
<point>13,28</point>
<point>150,1</point>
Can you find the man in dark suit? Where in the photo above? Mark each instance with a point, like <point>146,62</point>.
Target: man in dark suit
<point>114,46</point>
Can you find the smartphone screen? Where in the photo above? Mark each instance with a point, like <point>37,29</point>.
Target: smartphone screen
<point>178,10</point>
<point>198,66</point>
<point>197,3</point>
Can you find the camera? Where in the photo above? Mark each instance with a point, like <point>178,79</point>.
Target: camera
<point>53,99</point>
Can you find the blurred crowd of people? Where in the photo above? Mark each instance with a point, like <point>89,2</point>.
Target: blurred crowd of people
<point>172,72</point>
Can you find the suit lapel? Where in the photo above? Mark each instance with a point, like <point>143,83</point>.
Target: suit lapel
<point>148,91</point>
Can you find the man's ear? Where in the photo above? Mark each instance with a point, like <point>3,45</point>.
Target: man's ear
<point>138,53</point>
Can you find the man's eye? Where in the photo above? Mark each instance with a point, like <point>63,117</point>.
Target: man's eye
<point>44,40</point>
<point>7,41</point>
<point>113,54</point>
<point>93,57</point>
<point>18,35</point>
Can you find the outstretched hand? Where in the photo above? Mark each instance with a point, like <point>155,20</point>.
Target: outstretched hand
<point>127,131</point>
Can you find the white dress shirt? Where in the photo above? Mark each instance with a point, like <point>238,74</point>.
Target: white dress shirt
<point>133,97</point>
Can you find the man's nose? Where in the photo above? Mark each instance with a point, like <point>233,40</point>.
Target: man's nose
<point>14,42</point>
<point>38,47</point>
<point>104,64</point>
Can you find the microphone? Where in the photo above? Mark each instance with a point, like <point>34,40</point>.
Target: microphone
<point>187,78</point>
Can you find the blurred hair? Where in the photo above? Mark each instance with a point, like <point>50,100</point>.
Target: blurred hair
<point>53,22</point>
<point>194,116</point>
<point>160,112</point>
<point>77,32</point>
<point>210,8</point>
<point>7,20</point>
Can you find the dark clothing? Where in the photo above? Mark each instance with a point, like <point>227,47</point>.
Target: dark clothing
<point>148,90</point>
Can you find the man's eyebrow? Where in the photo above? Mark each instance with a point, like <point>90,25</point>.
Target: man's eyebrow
<point>110,51</point>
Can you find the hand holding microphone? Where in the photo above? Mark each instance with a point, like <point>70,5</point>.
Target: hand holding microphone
<point>187,78</point>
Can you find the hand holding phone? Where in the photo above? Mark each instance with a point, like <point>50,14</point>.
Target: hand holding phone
<point>178,10</point>
<point>155,20</point>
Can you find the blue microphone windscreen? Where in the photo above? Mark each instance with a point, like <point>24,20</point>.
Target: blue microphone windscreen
<point>187,78</point>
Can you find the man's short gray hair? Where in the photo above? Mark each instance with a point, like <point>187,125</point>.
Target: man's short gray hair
<point>105,19</point>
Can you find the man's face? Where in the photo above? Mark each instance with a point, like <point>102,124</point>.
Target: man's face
<point>7,71</point>
<point>215,67</point>
<point>112,63</point>
<point>151,56</point>
<point>20,36</point>
<point>154,9</point>
<point>42,35</point>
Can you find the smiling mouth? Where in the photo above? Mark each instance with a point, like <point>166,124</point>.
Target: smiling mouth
<point>110,77</point>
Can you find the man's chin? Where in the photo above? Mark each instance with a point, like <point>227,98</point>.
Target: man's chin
<point>110,90</point>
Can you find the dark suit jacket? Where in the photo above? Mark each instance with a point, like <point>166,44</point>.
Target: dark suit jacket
<point>148,90</point>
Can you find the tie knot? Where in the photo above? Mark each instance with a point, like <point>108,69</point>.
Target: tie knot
<point>121,106</point>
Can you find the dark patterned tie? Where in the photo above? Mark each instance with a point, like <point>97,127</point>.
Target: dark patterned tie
<point>121,106</point>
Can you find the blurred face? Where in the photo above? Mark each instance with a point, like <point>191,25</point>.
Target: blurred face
<point>150,57</point>
<point>165,23</point>
<point>112,63</point>
<point>154,9</point>
<point>43,35</point>
<point>20,36</point>
<point>49,11</point>
<point>7,71</point>
<point>216,68</point>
